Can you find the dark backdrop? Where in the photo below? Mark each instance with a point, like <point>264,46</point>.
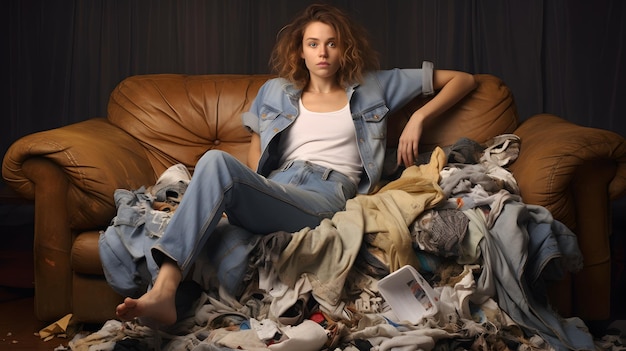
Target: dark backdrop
<point>63,58</point>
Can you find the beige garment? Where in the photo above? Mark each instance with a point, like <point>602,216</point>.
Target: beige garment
<point>325,254</point>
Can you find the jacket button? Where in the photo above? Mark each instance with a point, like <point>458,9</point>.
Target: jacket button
<point>376,117</point>
<point>275,130</point>
<point>264,115</point>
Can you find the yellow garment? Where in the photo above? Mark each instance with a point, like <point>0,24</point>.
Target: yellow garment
<point>393,208</point>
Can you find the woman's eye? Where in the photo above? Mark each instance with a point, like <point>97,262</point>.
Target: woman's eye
<point>332,44</point>
<point>313,45</point>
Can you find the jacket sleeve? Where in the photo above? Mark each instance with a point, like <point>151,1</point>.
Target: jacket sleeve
<point>399,86</point>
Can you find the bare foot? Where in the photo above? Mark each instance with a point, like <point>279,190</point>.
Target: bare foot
<point>158,305</point>
<point>161,310</point>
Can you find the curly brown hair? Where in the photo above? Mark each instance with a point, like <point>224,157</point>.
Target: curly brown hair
<point>357,55</point>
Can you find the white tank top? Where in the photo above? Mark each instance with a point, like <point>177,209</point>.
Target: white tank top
<point>327,139</point>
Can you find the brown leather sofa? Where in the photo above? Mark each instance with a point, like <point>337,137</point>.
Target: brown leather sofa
<point>155,121</point>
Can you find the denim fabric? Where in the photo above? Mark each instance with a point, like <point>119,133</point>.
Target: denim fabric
<point>228,251</point>
<point>125,245</point>
<point>297,195</point>
<point>382,92</point>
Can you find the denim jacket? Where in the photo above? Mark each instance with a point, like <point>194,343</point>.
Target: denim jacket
<point>381,93</point>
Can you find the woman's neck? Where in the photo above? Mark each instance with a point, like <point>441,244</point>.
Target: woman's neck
<point>324,98</point>
<point>320,86</point>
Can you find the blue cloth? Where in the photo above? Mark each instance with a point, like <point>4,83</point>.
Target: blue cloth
<point>520,251</point>
<point>124,247</point>
<point>228,250</point>
<point>381,93</point>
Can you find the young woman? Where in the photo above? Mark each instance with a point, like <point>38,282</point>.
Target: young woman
<point>318,134</point>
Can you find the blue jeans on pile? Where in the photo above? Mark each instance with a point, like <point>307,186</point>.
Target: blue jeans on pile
<point>299,194</point>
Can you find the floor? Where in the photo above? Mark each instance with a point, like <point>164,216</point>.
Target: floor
<point>18,325</point>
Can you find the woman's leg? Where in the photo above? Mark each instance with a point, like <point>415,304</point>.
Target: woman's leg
<point>297,196</point>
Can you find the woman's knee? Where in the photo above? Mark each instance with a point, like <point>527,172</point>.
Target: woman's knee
<point>212,158</point>
<point>218,163</point>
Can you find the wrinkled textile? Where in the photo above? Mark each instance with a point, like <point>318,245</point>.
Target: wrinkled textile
<point>142,216</point>
<point>172,184</point>
<point>325,254</point>
<point>464,150</point>
<point>125,245</point>
<point>524,242</point>
<point>397,204</point>
<point>440,232</point>
<point>501,150</point>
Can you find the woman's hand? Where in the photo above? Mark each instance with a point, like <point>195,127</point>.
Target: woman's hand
<point>452,86</point>
<point>408,143</point>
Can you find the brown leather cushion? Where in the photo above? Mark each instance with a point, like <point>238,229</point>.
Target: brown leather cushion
<point>85,255</point>
<point>179,117</point>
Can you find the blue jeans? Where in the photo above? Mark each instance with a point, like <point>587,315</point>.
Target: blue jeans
<point>297,195</point>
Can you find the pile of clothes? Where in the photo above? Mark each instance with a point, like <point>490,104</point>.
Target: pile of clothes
<point>456,217</point>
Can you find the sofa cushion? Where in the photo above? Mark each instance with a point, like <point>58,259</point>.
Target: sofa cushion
<point>85,254</point>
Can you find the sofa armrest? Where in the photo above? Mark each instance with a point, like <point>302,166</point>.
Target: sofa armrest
<point>554,152</point>
<point>71,173</point>
<point>95,157</point>
<point>575,172</point>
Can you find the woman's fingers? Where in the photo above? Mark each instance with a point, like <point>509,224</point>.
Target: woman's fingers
<point>407,153</point>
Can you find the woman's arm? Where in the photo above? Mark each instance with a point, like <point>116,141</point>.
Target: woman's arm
<point>254,152</point>
<point>453,86</point>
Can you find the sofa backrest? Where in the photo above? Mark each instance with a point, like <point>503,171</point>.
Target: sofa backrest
<point>179,117</point>
<point>488,111</point>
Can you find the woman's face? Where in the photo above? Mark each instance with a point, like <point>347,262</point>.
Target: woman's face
<point>320,50</point>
